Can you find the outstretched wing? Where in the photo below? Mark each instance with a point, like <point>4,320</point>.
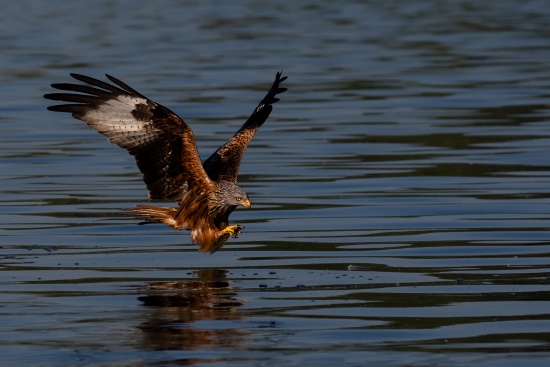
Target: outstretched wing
<point>224,163</point>
<point>162,144</point>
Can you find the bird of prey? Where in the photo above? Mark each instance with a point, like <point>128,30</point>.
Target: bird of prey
<point>165,152</point>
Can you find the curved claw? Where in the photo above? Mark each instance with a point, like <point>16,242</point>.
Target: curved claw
<point>234,231</point>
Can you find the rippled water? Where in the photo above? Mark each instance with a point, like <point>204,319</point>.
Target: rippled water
<point>412,144</point>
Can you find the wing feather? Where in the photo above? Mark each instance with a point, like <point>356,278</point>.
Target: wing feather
<point>162,144</point>
<point>224,163</point>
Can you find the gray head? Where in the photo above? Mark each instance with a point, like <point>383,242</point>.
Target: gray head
<point>231,194</point>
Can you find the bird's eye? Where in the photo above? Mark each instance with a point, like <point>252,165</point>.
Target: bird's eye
<point>238,198</point>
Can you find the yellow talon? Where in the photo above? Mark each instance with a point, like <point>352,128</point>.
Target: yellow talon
<point>234,231</point>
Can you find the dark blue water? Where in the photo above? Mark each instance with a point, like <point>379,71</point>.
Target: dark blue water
<point>412,144</point>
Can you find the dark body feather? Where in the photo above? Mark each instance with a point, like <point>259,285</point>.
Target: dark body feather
<point>165,152</point>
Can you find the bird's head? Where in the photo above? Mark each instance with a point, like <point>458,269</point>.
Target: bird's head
<point>232,194</point>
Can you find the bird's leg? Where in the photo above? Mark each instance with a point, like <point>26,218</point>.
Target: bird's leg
<point>234,231</point>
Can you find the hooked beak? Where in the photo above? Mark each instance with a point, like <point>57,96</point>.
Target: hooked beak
<point>245,203</point>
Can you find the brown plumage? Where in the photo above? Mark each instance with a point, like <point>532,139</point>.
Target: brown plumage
<point>164,148</point>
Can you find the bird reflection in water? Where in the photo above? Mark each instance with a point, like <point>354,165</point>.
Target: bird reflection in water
<point>176,307</point>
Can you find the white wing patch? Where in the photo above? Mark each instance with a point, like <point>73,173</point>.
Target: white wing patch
<point>115,120</point>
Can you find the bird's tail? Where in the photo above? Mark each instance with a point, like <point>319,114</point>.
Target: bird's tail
<point>157,214</point>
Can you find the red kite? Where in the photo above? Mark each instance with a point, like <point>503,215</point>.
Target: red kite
<point>165,152</point>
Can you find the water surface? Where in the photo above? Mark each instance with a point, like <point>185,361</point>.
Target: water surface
<point>412,144</point>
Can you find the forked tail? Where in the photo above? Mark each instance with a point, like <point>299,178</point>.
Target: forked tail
<point>157,214</point>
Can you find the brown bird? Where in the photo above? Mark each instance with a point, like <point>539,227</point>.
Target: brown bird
<point>165,152</point>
